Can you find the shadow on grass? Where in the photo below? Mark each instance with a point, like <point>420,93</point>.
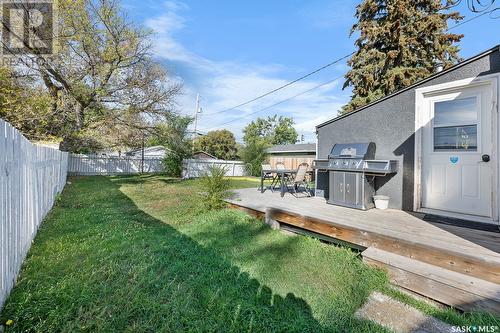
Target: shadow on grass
<point>106,265</point>
<point>167,180</point>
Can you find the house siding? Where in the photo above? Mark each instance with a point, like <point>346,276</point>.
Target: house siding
<point>391,125</point>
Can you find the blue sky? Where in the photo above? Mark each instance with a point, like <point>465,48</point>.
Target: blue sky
<point>231,51</point>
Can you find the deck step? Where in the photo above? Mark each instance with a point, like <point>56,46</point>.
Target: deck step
<point>465,261</point>
<point>449,287</point>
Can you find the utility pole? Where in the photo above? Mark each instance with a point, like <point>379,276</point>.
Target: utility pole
<point>142,152</point>
<point>196,111</point>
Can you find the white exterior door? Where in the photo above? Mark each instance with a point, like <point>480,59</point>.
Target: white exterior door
<point>458,151</point>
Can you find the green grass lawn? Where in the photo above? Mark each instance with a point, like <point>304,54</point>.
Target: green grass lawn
<point>140,254</point>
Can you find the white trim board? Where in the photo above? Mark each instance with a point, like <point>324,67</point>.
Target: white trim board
<point>420,95</point>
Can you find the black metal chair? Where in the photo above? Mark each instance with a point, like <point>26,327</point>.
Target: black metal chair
<point>277,177</point>
<point>267,175</point>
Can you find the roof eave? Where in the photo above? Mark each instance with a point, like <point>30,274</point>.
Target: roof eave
<point>291,151</point>
<point>433,76</point>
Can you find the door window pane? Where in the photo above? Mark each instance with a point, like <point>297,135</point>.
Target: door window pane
<point>455,138</point>
<point>461,111</point>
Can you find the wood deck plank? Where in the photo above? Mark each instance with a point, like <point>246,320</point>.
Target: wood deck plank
<point>390,230</point>
<point>459,290</point>
<point>391,222</point>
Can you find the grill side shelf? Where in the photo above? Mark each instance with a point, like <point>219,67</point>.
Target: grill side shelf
<point>320,165</point>
<point>380,166</point>
<point>375,167</point>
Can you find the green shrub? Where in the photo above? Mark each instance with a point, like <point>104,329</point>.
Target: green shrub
<point>215,187</point>
<point>172,165</point>
<point>254,154</point>
<point>173,135</point>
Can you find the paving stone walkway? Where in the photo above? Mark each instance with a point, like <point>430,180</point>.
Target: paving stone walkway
<point>399,317</point>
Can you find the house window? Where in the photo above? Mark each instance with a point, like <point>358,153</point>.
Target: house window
<point>455,125</point>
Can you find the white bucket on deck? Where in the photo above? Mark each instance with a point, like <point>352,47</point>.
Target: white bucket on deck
<point>381,201</point>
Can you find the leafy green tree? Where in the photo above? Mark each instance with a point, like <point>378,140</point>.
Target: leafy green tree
<point>254,153</point>
<point>103,72</point>
<point>274,130</point>
<point>26,106</point>
<point>399,43</point>
<point>173,135</point>
<point>220,143</point>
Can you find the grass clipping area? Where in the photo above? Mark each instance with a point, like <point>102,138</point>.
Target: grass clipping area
<point>140,254</point>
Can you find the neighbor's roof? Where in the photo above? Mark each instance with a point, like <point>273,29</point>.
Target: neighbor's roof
<point>297,148</point>
<point>201,152</point>
<point>431,77</point>
<point>146,149</point>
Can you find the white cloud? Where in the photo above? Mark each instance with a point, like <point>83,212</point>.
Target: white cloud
<point>224,84</point>
<point>328,15</point>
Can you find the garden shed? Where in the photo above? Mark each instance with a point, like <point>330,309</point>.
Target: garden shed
<point>292,155</point>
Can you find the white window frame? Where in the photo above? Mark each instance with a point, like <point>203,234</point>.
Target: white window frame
<point>450,97</point>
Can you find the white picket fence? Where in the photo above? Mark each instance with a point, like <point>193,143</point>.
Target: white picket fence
<point>110,165</point>
<point>30,178</point>
<point>193,168</point>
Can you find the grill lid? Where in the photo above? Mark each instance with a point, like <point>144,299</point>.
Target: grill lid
<point>364,151</point>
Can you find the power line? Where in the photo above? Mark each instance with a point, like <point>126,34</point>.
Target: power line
<point>333,63</point>
<point>318,86</point>
<point>285,85</point>
<point>281,102</point>
<point>471,19</point>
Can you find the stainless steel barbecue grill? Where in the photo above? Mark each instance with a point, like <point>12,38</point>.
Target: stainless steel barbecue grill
<point>352,170</point>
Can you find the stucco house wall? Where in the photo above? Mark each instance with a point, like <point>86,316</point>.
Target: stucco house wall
<point>390,123</point>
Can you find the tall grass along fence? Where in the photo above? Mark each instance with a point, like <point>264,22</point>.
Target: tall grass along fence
<point>31,176</point>
<point>193,168</point>
<point>111,165</point>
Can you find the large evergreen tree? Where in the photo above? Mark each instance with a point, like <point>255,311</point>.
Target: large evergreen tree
<point>399,43</point>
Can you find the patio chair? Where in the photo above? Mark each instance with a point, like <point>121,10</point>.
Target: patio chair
<point>268,175</point>
<point>300,180</point>
<point>277,177</point>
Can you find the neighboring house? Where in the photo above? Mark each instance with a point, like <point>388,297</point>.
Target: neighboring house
<point>155,151</point>
<point>202,155</point>
<point>292,155</point>
<point>443,131</point>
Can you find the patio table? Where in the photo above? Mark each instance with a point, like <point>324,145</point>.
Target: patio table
<point>282,173</point>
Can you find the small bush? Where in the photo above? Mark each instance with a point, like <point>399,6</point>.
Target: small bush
<point>254,154</point>
<point>172,165</point>
<point>215,187</point>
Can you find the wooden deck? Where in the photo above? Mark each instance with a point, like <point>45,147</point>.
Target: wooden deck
<point>454,265</point>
